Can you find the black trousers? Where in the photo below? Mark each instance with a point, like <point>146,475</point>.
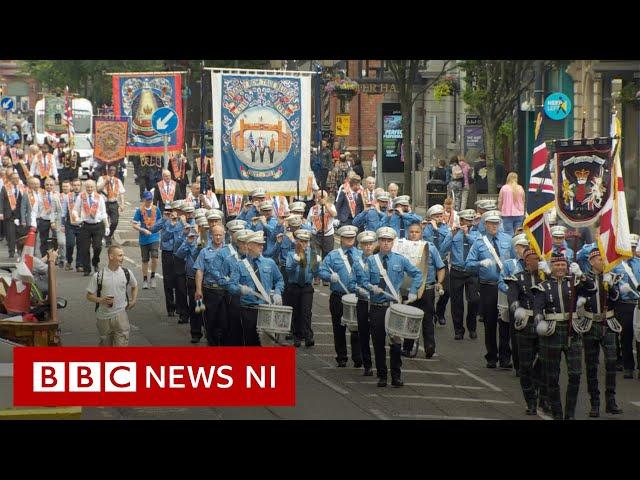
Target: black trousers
<point>426,304</point>
<point>235,338</point>
<point>10,234</point>
<point>340,332</point>
<point>464,285</point>
<point>302,303</point>
<point>215,316</point>
<point>169,282</point>
<point>364,331</point>
<point>90,236</point>
<point>195,319</point>
<point>514,343</point>
<point>43,226</point>
<point>249,324</point>
<point>71,234</point>
<point>325,244</point>
<point>379,336</point>
<point>182,297</point>
<point>489,310</point>
<point>624,315</point>
<point>114,216</point>
<point>441,306</point>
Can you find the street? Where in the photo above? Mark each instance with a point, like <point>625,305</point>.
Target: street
<point>453,385</point>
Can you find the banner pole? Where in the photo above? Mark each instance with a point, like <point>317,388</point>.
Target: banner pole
<point>203,167</point>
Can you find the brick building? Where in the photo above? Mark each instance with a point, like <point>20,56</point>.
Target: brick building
<point>22,89</point>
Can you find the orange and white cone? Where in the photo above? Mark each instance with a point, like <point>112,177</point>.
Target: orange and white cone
<point>18,299</point>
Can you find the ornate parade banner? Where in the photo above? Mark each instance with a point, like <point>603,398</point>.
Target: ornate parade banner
<point>110,139</point>
<point>54,115</point>
<point>137,96</point>
<point>261,132</point>
<point>582,180</point>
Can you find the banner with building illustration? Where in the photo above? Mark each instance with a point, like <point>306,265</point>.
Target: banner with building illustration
<point>137,97</point>
<point>582,179</point>
<point>261,132</point>
<point>110,135</point>
<point>54,115</point>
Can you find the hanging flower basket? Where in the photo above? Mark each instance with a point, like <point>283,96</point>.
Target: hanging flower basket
<point>343,88</point>
<point>445,87</point>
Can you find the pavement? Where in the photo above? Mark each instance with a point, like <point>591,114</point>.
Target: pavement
<point>453,385</point>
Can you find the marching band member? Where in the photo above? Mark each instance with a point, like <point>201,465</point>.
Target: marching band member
<point>520,299</point>
<point>558,233</point>
<point>268,224</point>
<point>297,208</point>
<point>458,243</point>
<point>485,258</point>
<point>337,267</point>
<point>113,188</point>
<point>372,216</point>
<point>71,229</point>
<point>255,274</point>
<point>207,281</point>
<point>600,329</point>
<point>44,166</point>
<point>188,252</point>
<point>47,213</point>
<point>553,301</point>
<point>90,210</point>
<point>367,242</point>
<point>322,225</point>
<point>11,197</point>
<point>302,266</point>
<point>626,305</point>
<point>400,217</point>
<point>250,209</point>
<point>166,191</point>
<point>432,269</point>
<point>349,200</point>
<point>149,242</point>
<point>435,231</point>
<point>29,208</point>
<point>239,239</point>
<point>386,273</point>
<point>179,262</point>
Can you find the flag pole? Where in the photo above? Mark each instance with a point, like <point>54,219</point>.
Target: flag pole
<point>203,169</point>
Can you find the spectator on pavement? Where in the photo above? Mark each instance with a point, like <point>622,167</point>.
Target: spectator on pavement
<point>511,204</point>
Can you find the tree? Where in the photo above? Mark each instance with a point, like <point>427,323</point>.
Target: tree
<point>493,89</point>
<point>404,74</point>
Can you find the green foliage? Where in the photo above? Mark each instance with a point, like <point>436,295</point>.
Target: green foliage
<point>505,134</point>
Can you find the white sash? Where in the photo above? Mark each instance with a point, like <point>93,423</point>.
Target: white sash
<point>631,275</point>
<point>257,282</point>
<point>493,252</point>
<point>233,251</point>
<point>345,260</point>
<point>383,272</point>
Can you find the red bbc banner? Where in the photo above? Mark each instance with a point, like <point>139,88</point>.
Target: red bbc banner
<point>154,376</point>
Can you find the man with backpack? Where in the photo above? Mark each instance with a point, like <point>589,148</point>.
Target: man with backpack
<point>108,290</point>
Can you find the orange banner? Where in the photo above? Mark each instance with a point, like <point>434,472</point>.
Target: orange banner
<point>110,139</point>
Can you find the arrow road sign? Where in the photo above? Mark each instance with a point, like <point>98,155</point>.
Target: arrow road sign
<point>6,103</point>
<point>165,121</point>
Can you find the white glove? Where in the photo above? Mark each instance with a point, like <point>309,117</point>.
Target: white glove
<point>296,257</point>
<point>519,314</point>
<point>625,288</point>
<point>334,277</point>
<point>245,290</point>
<point>581,301</point>
<point>544,266</point>
<point>277,299</point>
<point>376,290</point>
<point>575,269</point>
<point>608,278</point>
<point>487,262</point>
<point>412,297</point>
<point>439,290</point>
<point>362,292</point>
<point>107,231</point>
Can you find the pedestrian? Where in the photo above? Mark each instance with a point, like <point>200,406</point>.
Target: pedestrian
<point>108,289</point>
<point>440,172</point>
<point>321,217</point>
<point>450,216</point>
<point>338,176</point>
<point>511,204</point>
<point>393,191</point>
<point>11,197</point>
<point>356,166</point>
<point>467,172</point>
<point>456,181</point>
<point>113,189</point>
<point>144,218</point>
<point>480,174</point>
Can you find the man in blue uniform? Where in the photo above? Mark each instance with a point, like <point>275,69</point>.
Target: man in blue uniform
<point>435,231</point>
<point>372,216</point>
<point>558,233</point>
<point>250,209</point>
<point>400,217</point>
<point>188,252</point>
<point>268,224</point>
<point>367,241</point>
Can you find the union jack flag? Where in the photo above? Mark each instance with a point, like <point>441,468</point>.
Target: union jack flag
<point>541,196</point>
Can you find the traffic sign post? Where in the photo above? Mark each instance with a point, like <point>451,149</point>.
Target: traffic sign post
<point>165,121</point>
<point>166,151</point>
<point>7,103</point>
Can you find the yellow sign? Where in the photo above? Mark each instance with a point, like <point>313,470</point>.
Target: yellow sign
<point>343,123</point>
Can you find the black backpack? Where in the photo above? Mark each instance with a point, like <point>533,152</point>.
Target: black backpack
<point>100,275</point>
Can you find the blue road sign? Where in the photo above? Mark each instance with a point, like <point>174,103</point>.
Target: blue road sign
<point>164,121</point>
<point>557,106</point>
<point>7,103</point>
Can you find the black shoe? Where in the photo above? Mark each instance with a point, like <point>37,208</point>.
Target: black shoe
<point>459,336</point>
<point>628,374</point>
<point>506,365</point>
<point>195,339</point>
<point>382,382</point>
<point>491,364</point>
<point>442,320</point>
<point>429,351</point>
<point>619,367</point>
<point>531,408</point>
<point>594,412</point>
<point>612,407</point>
<point>473,335</point>
<point>297,343</point>
<point>368,372</point>
<point>309,343</point>
<point>357,364</point>
<point>545,407</point>
<point>342,363</point>
<point>396,382</point>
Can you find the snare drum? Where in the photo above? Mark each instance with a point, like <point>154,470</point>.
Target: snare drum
<point>349,316</point>
<point>274,318</point>
<point>404,321</point>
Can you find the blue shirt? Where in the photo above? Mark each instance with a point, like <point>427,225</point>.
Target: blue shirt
<point>347,275</point>
<point>248,215</point>
<point>456,245</point>
<point>397,266</point>
<point>435,236</point>
<point>188,252</point>
<point>634,265</point>
<point>205,261</point>
<point>400,224</point>
<point>565,250</point>
<point>228,265</point>
<point>369,219</point>
<point>479,251</point>
<point>511,267</point>
<point>218,261</point>
<point>154,237</point>
<point>167,233</point>
<point>271,229</point>
<point>582,257</point>
<point>268,274</point>
<point>283,248</point>
<point>293,268</point>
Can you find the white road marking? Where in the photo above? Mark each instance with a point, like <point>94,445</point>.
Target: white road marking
<point>477,378</point>
<point>379,414</point>
<point>434,385</point>
<point>439,417</point>
<point>327,382</point>
<point>133,262</point>
<point>410,371</point>
<point>419,359</point>
<point>637,404</point>
<point>322,294</point>
<point>457,399</point>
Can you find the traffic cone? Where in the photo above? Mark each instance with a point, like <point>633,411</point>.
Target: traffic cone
<point>18,299</point>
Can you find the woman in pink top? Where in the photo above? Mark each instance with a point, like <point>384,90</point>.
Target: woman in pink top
<point>511,204</point>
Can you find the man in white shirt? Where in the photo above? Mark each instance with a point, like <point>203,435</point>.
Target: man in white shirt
<point>108,289</point>
<point>325,241</point>
<point>44,165</point>
<point>113,189</point>
<point>90,210</point>
<point>47,214</point>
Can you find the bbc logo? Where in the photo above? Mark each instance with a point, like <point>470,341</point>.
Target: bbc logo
<point>53,377</point>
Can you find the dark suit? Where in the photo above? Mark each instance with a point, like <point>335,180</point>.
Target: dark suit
<point>11,230</point>
<point>344,212</point>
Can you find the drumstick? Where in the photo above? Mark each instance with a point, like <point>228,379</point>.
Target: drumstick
<point>340,282</point>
